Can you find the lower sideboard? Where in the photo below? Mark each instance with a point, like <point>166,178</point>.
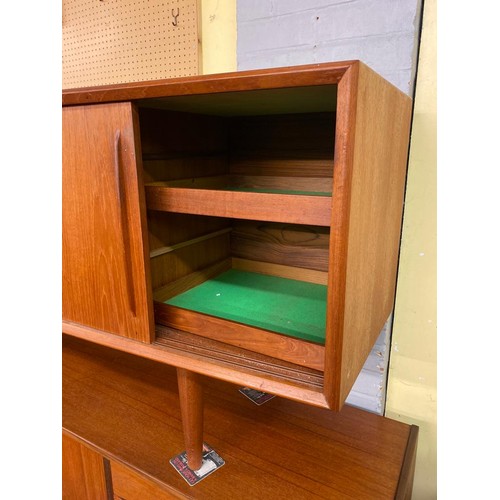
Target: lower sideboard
<point>121,426</point>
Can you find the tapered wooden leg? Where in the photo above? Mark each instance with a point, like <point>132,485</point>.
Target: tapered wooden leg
<point>191,398</point>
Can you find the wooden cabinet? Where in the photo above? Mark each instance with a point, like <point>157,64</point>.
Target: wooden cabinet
<point>105,272</point>
<point>85,473</point>
<point>123,411</point>
<point>273,202</point>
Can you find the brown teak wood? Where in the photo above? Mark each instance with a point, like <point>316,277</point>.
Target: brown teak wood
<point>83,472</point>
<point>335,124</point>
<point>129,485</point>
<point>191,400</point>
<point>104,259</point>
<point>405,484</point>
<point>127,409</point>
<point>293,209</point>
<point>283,347</point>
<point>275,78</point>
<point>365,247</point>
<point>217,360</point>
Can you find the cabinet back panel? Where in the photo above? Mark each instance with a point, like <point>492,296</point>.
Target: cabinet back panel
<point>285,244</point>
<point>304,247</point>
<point>167,228</point>
<point>172,134</point>
<point>283,145</point>
<point>180,168</point>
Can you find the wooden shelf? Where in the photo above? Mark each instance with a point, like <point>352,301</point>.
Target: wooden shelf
<point>281,305</point>
<point>226,355</point>
<point>312,186</point>
<point>271,309</point>
<point>265,198</point>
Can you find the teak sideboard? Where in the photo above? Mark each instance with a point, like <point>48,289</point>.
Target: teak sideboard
<point>121,426</point>
<point>242,226</point>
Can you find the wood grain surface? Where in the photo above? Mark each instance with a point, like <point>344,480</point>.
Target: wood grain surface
<point>375,216</point>
<point>360,131</point>
<point>281,271</point>
<point>105,259</point>
<point>218,360</point>
<point>247,337</point>
<point>127,409</point>
<point>296,76</point>
<point>83,472</point>
<point>189,281</point>
<point>290,208</point>
<point>284,244</point>
<point>130,485</point>
<point>170,267</point>
<point>371,147</point>
<point>191,403</point>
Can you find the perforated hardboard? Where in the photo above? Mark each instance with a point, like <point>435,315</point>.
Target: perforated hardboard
<point>119,41</point>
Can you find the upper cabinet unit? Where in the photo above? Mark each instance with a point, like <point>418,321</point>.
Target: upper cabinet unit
<point>273,206</point>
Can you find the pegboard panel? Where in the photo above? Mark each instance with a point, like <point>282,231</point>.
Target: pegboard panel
<point>120,41</point>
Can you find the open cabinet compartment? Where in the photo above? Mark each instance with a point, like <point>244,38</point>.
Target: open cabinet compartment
<point>261,286</point>
<point>239,213</point>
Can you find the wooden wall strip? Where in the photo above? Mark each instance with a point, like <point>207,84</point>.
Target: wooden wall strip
<point>247,337</point>
<point>294,273</point>
<point>171,248</point>
<point>284,244</point>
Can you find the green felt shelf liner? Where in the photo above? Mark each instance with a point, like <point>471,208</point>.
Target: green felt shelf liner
<point>281,305</point>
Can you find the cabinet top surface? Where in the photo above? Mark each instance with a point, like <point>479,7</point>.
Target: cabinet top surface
<point>274,78</point>
<point>127,409</point>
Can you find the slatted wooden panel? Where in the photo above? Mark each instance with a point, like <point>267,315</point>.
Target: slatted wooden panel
<point>118,41</point>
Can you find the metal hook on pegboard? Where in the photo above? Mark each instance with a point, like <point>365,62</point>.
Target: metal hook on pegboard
<point>174,23</point>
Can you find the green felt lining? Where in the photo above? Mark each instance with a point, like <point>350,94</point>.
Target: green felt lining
<point>281,305</point>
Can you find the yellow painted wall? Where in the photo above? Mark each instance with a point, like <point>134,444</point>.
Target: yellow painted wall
<point>411,395</point>
<point>218,36</point>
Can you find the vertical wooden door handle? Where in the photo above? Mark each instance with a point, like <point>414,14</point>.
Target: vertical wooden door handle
<point>120,191</point>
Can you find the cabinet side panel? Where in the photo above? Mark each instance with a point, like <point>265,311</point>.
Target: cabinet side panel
<point>342,174</point>
<point>377,191</point>
<point>103,264</point>
<point>83,474</point>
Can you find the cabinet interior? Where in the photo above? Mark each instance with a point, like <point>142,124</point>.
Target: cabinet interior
<point>238,195</point>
